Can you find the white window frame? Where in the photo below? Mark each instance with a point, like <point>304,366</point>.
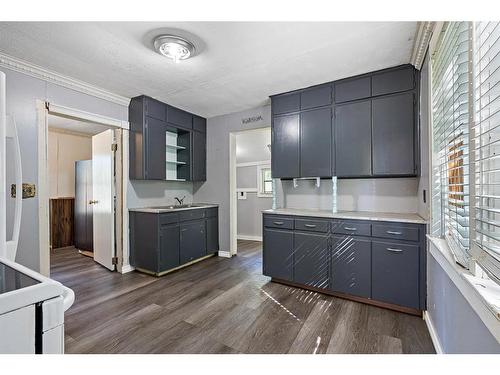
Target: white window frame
<point>260,184</point>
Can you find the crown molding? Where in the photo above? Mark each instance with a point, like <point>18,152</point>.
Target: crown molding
<point>422,39</point>
<point>25,67</point>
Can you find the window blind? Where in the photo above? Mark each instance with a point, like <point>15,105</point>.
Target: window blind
<point>486,145</point>
<point>450,138</point>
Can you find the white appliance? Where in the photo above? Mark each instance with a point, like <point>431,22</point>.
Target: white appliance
<point>31,306</point>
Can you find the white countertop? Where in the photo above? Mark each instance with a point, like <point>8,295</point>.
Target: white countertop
<point>357,215</point>
<point>162,209</point>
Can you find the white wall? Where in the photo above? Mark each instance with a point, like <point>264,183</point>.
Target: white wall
<point>64,149</point>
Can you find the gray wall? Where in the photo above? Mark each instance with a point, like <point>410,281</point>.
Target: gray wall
<point>382,195</point>
<point>22,92</point>
<point>216,188</point>
<point>157,193</point>
<point>250,209</point>
<point>458,327</point>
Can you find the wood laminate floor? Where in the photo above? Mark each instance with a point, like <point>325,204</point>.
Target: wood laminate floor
<point>221,305</point>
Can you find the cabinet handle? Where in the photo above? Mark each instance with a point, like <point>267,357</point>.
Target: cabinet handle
<point>278,222</point>
<point>183,230</point>
<point>350,228</point>
<point>393,232</point>
<point>394,250</point>
<point>310,225</point>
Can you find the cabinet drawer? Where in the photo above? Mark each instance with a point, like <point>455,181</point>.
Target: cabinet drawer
<point>278,222</point>
<point>352,89</point>
<point>179,117</point>
<point>191,214</point>
<point>395,231</point>
<point>285,103</point>
<point>393,81</point>
<point>200,124</point>
<point>311,225</point>
<point>169,218</point>
<point>155,109</point>
<point>395,273</point>
<point>211,212</point>
<point>351,227</point>
<point>316,97</point>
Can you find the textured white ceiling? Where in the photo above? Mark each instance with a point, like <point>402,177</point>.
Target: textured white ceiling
<point>238,65</point>
<point>251,145</point>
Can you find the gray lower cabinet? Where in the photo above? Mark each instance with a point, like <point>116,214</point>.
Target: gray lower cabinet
<point>351,266</point>
<point>353,144</point>
<point>193,241</point>
<point>160,242</point>
<point>311,253</point>
<point>381,262</point>
<point>394,134</point>
<point>169,247</point>
<point>395,273</point>
<point>278,257</point>
<point>316,143</point>
<point>285,149</point>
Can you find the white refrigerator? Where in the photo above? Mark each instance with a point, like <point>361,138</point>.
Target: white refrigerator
<point>31,306</point>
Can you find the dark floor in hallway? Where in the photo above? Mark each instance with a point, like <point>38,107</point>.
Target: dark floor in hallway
<point>221,305</point>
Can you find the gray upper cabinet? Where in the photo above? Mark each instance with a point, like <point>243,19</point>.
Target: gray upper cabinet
<point>352,89</point>
<point>316,143</point>
<point>199,124</point>
<point>179,117</point>
<point>285,146</point>
<point>278,258</point>
<point>353,139</point>
<point>310,252</point>
<point>316,97</point>
<point>150,120</point>
<point>395,273</point>
<point>199,157</point>
<point>351,266</point>
<point>285,103</point>
<point>393,81</point>
<point>393,121</point>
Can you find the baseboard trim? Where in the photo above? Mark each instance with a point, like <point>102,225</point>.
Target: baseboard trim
<point>126,269</point>
<point>224,254</point>
<point>433,333</point>
<point>249,238</point>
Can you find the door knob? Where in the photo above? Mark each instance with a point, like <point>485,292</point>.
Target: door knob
<point>93,202</point>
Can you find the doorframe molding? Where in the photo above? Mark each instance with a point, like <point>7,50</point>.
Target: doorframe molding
<point>43,110</point>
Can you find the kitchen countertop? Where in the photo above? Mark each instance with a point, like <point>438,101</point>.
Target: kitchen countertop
<point>357,215</point>
<point>162,209</point>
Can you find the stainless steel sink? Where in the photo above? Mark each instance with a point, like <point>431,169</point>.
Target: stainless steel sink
<point>177,206</point>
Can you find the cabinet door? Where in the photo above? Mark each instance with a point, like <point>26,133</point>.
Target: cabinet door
<point>316,97</point>
<point>212,234</point>
<point>199,160</point>
<point>169,247</point>
<point>394,135</point>
<point>395,273</point>
<point>393,81</point>
<point>155,149</point>
<point>351,266</point>
<point>316,143</point>
<point>352,89</point>
<point>200,124</point>
<point>311,260</point>
<point>285,103</point>
<point>353,139</point>
<point>278,253</point>
<point>285,146</point>
<point>192,241</point>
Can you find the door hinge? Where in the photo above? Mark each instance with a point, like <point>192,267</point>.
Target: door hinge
<point>114,260</point>
<point>114,147</point>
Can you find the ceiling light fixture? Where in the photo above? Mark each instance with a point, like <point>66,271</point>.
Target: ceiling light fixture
<point>174,47</point>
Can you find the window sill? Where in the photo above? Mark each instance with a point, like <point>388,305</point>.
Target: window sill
<point>482,295</point>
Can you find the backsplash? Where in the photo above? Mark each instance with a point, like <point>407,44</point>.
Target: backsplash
<point>397,195</point>
<point>157,193</point>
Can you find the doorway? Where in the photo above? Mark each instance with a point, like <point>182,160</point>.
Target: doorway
<point>250,185</point>
<point>82,186</point>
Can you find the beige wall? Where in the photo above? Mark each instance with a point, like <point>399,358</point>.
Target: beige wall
<point>63,150</point>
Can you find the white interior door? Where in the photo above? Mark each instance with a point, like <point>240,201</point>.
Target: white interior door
<point>103,195</point>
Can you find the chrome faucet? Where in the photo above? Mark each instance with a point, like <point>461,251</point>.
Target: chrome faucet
<point>181,200</point>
